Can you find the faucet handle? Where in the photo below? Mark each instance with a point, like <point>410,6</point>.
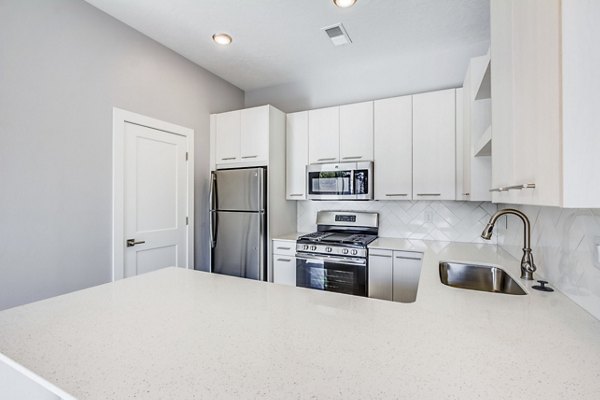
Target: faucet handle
<point>542,286</point>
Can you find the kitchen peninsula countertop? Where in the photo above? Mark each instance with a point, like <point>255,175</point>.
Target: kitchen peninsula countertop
<point>182,334</point>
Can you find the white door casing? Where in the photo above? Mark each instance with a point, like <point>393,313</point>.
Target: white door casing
<point>152,194</point>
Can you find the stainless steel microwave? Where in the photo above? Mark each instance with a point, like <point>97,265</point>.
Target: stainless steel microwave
<point>342,181</point>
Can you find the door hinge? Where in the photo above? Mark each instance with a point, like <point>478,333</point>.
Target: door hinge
<point>187,220</point>
<point>187,155</point>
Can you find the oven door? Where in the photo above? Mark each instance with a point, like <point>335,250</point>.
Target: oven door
<point>333,274</point>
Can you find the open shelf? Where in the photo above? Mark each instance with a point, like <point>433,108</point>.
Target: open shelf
<point>484,85</point>
<point>483,147</point>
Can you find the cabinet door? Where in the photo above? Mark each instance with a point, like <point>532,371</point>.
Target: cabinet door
<point>284,270</point>
<point>324,135</point>
<point>255,134</point>
<point>434,157</point>
<point>380,274</point>
<point>356,132</point>
<point>296,155</point>
<point>393,148</point>
<point>228,137</point>
<point>406,271</point>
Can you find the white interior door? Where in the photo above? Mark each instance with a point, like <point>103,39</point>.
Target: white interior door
<point>156,200</point>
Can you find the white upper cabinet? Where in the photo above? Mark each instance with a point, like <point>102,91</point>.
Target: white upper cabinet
<point>244,138</point>
<point>297,155</point>
<point>227,134</point>
<point>356,132</point>
<point>545,91</point>
<point>324,135</point>
<point>393,148</point>
<point>434,147</point>
<point>255,134</point>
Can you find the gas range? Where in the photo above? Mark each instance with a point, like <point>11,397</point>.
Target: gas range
<point>335,257</point>
<point>335,243</point>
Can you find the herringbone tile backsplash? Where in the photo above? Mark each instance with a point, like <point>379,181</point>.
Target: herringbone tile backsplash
<point>455,221</point>
<point>566,249</point>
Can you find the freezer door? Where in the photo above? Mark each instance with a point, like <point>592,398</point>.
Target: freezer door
<point>239,189</point>
<point>240,244</point>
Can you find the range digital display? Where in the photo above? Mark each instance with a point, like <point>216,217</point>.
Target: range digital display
<point>345,218</point>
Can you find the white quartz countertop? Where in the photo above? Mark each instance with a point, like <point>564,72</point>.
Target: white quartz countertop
<point>289,237</point>
<point>180,334</point>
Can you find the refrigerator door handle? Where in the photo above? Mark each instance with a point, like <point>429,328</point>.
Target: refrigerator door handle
<point>212,217</point>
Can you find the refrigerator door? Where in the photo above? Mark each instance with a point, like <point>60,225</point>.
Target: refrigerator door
<point>239,189</point>
<point>239,245</point>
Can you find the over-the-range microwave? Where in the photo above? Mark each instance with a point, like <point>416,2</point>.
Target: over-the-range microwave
<point>342,181</point>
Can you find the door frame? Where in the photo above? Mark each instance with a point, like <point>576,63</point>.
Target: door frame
<point>120,118</point>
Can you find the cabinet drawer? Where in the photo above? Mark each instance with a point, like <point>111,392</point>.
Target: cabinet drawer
<point>284,247</point>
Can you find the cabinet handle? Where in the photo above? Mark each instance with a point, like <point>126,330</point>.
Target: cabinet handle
<point>284,248</point>
<point>396,194</point>
<point>407,258</point>
<point>429,194</point>
<point>227,158</point>
<point>249,156</point>
<point>379,255</point>
<point>284,259</point>
<point>326,159</point>
<point>352,158</point>
<point>521,187</point>
<point>296,194</point>
<point>466,194</point>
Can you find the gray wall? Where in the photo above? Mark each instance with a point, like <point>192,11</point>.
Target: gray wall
<point>426,71</point>
<point>63,66</point>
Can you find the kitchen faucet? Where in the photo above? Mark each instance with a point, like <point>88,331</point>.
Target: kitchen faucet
<point>527,264</point>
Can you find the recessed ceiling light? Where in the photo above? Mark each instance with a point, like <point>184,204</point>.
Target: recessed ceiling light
<point>344,3</point>
<point>222,38</point>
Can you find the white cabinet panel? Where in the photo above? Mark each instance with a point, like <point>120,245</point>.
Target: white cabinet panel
<point>284,270</point>
<point>284,247</point>
<point>228,137</point>
<point>255,134</point>
<point>407,271</point>
<point>297,155</point>
<point>324,135</point>
<point>356,132</point>
<point>393,148</point>
<point>380,274</point>
<point>434,157</point>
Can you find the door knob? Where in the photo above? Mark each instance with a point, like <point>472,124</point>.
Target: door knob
<point>132,242</point>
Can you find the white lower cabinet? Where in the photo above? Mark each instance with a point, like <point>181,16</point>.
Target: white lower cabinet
<point>394,275</point>
<point>284,262</point>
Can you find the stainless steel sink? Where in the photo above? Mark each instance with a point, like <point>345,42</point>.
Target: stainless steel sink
<point>478,277</point>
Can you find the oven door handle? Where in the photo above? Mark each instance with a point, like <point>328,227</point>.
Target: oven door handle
<point>338,260</point>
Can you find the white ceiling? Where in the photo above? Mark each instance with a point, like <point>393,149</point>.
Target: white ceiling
<point>280,41</point>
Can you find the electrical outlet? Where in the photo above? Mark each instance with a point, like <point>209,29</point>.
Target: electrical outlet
<point>597,252</point>
<point>428,216</point>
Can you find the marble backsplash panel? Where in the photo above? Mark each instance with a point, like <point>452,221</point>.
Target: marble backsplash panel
<point>455,221</point>
<point>566,248</point>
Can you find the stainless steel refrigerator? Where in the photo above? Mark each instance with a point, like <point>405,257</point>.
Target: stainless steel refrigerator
<point>238,222</point>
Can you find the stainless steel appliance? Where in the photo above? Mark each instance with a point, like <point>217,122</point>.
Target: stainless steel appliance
<point>238,222</point>
<point>343,181</point>
<point>335,258</point>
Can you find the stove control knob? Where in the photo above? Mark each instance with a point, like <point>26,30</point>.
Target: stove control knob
<point>328,249</point>
<point>354,252</point>
<point>313,247</point>
<point>305,247</point>
<point>345,251</point>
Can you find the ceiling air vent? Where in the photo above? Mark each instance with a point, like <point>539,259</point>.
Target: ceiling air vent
<point>337,34</point>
